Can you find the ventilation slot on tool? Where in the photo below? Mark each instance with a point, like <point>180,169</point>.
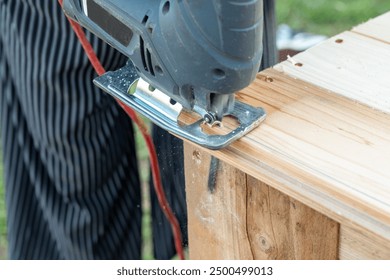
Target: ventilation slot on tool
<point>145,19</point>
<point>150,64</point>
<point>142,49</point>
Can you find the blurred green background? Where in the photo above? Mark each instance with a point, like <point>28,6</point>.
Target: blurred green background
<point>327,17</point>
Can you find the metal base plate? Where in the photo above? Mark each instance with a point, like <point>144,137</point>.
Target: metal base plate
<point>125,85</point>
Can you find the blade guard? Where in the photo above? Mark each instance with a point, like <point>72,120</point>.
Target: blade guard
<point>156,106</point>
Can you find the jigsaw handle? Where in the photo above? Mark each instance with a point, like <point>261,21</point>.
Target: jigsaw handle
<point>232,27</point>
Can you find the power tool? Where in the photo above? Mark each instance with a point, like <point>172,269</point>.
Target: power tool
<point>183,54</point>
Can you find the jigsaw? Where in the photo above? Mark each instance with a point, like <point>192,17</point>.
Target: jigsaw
<point>183,54</point>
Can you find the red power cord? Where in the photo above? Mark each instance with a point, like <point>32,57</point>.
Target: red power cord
<point>164,205</point>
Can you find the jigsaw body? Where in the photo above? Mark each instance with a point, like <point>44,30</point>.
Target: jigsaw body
<point>190,53</point>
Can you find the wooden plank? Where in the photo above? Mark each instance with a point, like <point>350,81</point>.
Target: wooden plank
<point>280,227</point>
<point>348,64</point>
<point>246,219</point>
<point>360,244</point>
<point>378,28</point>
<point>216,221</point>
<point>322,149</point>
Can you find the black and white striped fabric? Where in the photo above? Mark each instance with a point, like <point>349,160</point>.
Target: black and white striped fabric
<point>72,185</point>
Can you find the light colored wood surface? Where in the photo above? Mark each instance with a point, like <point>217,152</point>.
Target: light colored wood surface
<point>357,67</point>
<point>246,219</point>
<point>359,244</point>
<point>378,28</point>
<point>320,148</point>
<point>326,139</point>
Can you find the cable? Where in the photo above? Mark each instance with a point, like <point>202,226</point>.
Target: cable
<point>163,202</point>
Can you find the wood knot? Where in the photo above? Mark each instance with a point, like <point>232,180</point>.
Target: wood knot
<point>196,156</point>
<point>299,227</point>
<point>265,245</point>
<point>264,78</point>
<point>293,205</point>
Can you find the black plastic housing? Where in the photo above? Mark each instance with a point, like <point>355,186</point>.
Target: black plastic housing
<point>199,52</point>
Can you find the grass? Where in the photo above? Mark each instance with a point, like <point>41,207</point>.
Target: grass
<point>327,17</point>
<point>143,165</point>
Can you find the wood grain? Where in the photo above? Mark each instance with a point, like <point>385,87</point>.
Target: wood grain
<point>280,227</point>
<point>325,144</point>
<point>216,221</point>
<point>360,244</point>
<point>349,64</point>
<point>320,148</point>
<point>378,28</point>
<point>246,219</point>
